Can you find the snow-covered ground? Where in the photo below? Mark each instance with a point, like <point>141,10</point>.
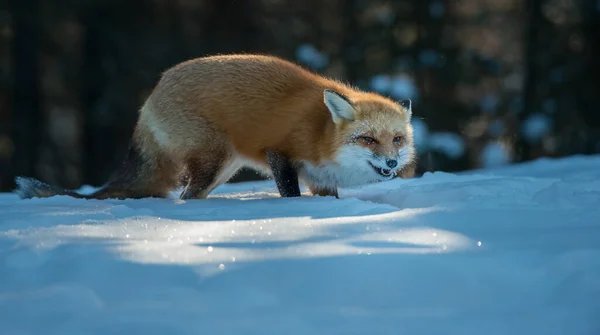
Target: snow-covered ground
<point>507,251</point>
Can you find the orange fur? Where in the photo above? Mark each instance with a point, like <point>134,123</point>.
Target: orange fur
<point>214,114</point>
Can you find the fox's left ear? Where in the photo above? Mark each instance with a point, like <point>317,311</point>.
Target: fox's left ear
<point>339,106</point>
<point>407,104</point>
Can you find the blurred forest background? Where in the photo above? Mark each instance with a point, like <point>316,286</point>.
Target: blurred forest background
<point>493,81</point>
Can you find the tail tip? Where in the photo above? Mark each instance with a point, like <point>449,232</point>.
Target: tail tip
<point>28,188</point>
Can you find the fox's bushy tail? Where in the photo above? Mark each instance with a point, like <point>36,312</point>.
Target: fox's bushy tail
<point>138,177</point>
<point>28,188</point>
<point>121,185</point>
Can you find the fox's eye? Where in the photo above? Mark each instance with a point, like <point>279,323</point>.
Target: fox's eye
<point>398,139</point>
<point>368,140</point>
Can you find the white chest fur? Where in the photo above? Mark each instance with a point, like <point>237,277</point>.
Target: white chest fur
<point>331,175</point>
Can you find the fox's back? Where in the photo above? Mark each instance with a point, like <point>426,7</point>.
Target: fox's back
<point>258,101</point>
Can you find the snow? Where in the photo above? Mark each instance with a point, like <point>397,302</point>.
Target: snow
<point>309,55</point>
<point>489,103</point>
<point>381,83</point>
<point>420,133</point>
<point>494,154</point>
<point>401,86</point>
<point>404,87</point>
<point>448,143</point>
<point>511,250</point>
<point>535,127</point>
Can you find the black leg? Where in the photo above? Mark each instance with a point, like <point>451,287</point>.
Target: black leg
<point>286,176</point>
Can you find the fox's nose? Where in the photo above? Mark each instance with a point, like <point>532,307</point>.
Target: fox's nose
<point>392,163</point>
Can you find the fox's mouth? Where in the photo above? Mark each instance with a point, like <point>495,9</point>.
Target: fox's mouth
<point>381,171</point>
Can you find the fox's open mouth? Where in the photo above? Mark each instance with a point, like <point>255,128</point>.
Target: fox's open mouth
<point>381,171</point>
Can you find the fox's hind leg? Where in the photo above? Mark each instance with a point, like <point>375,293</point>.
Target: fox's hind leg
<point>202,173</point>
<point>207,170</point>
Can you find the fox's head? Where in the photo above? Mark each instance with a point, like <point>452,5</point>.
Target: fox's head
<point>374,133</point>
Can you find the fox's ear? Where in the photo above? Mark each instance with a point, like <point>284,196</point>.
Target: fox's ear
<point>407,104</point>
<point>339,106</point>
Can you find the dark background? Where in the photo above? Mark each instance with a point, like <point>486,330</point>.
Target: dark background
<point>493,81</point>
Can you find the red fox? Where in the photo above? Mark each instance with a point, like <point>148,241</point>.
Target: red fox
<point>210,116</point>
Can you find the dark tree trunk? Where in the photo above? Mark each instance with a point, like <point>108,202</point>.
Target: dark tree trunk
<point>95,76</point>
<point>27,115</point>
<point>533,14</point>
<point>591,78</point>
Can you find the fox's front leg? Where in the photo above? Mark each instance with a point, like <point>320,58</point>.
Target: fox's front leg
<point>324,192</point>
<point>285,174</point>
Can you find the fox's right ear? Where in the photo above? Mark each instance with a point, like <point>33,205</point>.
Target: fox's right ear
<point>339,106</point>
<point>407,104</point>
